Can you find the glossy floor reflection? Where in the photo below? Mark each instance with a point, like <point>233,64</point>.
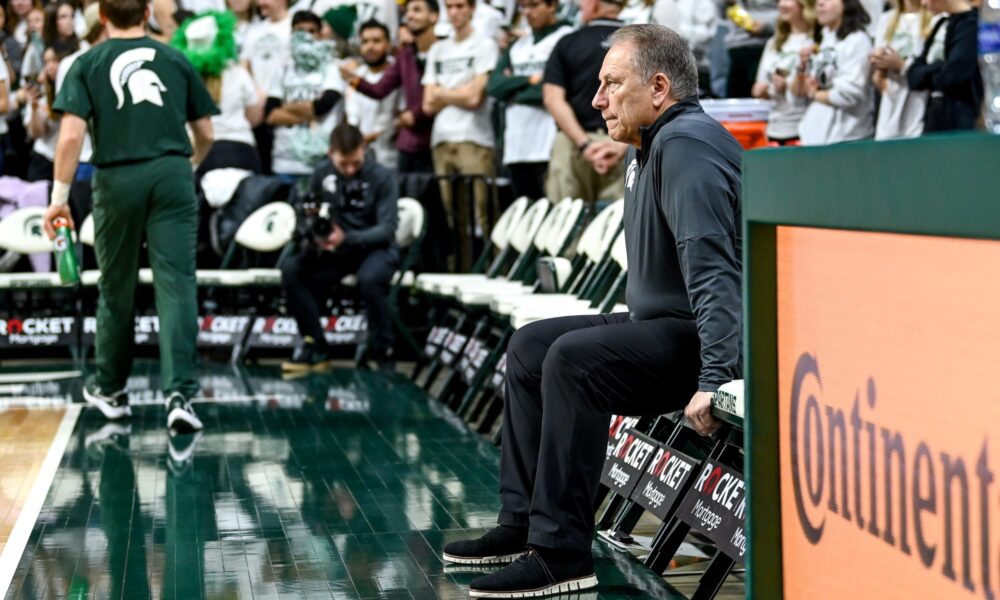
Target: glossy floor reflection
<point>338,486</point>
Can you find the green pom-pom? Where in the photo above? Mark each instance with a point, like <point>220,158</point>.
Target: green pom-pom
<point>210,61</point>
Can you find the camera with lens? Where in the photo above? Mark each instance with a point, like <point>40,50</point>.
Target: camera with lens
<point>318,216</point>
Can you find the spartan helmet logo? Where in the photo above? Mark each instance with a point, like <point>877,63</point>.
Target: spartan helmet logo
<point>630,174</point>
<point>143,84</point>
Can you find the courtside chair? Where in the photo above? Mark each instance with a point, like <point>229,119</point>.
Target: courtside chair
<point>553,238</point>
<point>500,242</point>
<point>21,231</point>
<point>508,265</point>
<point>478,404</point>
<point>445,315</point>
<point>470,301</point>
<point>607,303</point>
<point>571,276</point>
<point>268,229</point>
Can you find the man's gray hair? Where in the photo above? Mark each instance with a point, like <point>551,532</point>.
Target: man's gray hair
<point>658,49</point>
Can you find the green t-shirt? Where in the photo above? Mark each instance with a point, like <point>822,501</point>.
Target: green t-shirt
<point>136,95</point>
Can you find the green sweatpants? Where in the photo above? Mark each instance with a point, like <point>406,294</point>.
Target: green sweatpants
<point>155,198</point>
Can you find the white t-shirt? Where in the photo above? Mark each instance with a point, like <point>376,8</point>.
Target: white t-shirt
<point>530,131</point>
<point>450,64</point>
<point>842,68</point>
<point>374,116</point>
<point>296,86</point>
<point>694,20</point>
<point>200,6</point>
<point>45,145</point>
<point>486,20</point>
<point>238,93</point>
<point>783,122</point>
<point>268,48</point>
<point>88,146</point>
<point>901,111</point>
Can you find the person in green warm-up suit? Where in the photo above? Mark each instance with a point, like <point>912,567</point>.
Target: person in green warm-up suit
<point>136,96</point>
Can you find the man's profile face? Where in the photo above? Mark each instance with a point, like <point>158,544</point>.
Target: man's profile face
<point>418,17</point>
<point>625,102</point>
<point>459,12</point>
<point>374,46</point>
<point>348,164</point>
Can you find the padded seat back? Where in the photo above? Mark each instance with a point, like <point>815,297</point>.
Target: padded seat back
<point>504,228</point>
<point>21,231</point>
<point>527,227</point>
<point>552,221</point>
<point>411,221</point>
<point>268,228</point>
<point>559,233</point>
<point>603,230</point>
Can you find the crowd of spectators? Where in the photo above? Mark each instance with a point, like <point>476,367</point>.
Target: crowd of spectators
<point>501,89</point>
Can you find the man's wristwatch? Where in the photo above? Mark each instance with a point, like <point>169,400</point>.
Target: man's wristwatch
<point>583,147</point>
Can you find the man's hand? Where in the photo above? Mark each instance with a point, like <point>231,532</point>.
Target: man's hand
<point>405,120</point>
<point>603,156</point>
<point>348,71</point>
<point>699,414</point>
<point>334,240</point>
<point>53,213</point>
<point>405,36</point>
<point>535,78</point>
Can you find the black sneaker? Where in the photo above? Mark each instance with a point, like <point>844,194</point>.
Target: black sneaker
<point>180,414</point>
<point>499,545</point>
<point>307,357</point>
<point>531,576</point>
<point>113,406</point>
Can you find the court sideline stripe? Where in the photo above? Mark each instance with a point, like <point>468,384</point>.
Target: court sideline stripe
<point>35,377</point>
<point>18,539</point>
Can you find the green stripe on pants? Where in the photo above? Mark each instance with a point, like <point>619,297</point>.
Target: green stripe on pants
<point>155,198</point>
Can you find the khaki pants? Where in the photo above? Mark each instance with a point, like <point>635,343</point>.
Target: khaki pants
<point>571,175</point>
<point>464,158</point>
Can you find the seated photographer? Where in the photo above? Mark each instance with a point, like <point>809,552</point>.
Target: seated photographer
<point>351,231</point>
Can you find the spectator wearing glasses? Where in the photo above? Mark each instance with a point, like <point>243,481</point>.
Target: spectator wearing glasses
<point>835,77</point>
<point>517,81</point>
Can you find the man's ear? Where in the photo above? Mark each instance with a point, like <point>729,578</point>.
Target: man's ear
<point>661,87</point>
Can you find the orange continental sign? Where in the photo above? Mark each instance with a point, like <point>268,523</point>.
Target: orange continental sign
<point>888,363</point>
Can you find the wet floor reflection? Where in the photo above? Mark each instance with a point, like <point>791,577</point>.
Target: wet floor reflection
<point>338,486</point>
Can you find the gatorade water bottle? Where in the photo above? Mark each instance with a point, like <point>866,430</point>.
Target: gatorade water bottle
<point>69,269</point>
